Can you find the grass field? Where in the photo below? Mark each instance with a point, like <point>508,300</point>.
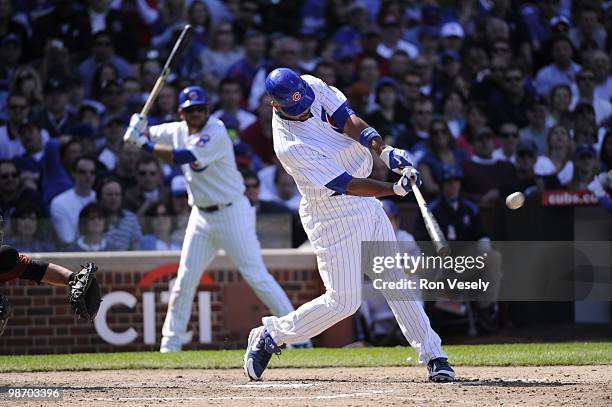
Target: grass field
<point>540,354</point>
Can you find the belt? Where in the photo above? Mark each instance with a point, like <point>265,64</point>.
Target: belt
<point>214,208</point>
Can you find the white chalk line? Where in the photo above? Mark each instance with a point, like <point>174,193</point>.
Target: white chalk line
<point>273,385</point>
<point>319,397</point>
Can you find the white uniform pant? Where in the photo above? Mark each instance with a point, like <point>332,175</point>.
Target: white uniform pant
<point>336,228</point>
<point>231,229</point>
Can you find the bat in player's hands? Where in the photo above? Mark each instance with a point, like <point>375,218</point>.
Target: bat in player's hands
<point>431,224</point>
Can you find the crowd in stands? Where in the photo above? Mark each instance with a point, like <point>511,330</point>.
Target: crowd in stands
<point>516,93</point>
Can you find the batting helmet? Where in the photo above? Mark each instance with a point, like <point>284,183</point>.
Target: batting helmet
<point>290,91</point>
<point>192,96</point>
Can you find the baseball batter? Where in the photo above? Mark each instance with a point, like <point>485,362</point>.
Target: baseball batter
<point>221,216</point>
<point>322,143</point>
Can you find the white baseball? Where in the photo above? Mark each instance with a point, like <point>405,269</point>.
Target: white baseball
<point>515,200</point>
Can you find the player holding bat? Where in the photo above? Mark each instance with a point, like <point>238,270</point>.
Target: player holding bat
<point>324,146</point>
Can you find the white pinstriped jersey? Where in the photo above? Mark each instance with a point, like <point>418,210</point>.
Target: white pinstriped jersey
<point>315,151</point>
<point>214,178</point>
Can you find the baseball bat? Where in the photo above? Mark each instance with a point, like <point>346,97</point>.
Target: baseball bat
<point>431,224</point>
<point>179,46</point>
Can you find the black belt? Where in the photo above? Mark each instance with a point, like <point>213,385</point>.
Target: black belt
<point>214,208</point>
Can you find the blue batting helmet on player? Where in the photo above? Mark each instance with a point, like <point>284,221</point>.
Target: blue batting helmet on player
<point>290,91</point>
<point>192,96</point>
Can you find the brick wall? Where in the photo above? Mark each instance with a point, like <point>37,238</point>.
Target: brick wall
<point>43,321</point>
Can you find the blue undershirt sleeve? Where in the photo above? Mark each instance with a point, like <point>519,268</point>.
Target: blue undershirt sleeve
<point>339,183</point>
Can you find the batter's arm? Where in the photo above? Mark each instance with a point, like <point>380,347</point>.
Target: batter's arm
<point>369,187</point>
<point>355,126</point>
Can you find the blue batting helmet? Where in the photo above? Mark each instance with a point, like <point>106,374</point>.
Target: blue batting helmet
<point>192,96</point>
<point>290,91</point>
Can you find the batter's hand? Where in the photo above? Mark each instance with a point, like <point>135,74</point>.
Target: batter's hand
<point>396,159</point>
<point>136,130</point>
<point>403,186</point>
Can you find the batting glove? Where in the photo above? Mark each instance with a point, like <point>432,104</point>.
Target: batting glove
<point>403,186</point>
<point>395,159</point>
<point>596,188</point>
<point>135,132</point>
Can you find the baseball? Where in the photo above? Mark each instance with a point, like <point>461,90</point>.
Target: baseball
<point>515,200</point>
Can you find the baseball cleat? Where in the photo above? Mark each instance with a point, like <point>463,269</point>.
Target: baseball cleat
<point>440,371</point>
<point>260,349</point>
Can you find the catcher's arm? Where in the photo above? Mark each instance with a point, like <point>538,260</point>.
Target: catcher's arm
<point>56,275</point>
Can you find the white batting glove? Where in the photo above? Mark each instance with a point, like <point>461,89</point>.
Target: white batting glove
<point>135,133</point>
<point>596,188</point>
<point>403,186</point>
<point>396,159</point>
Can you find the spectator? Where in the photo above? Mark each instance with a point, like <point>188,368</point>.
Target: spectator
<point>512,103</point>
<point>55,117</point>
<point>440,151</point>
<point>309,42</point>
<point>460,220</point>
<point>344,65</point>
<point>446,77</point>
<point>411,90</point>
<point>599,62</point>
<point>27,82</point>
<point>484,176</point>
<point>394,215</point>
<point>475,118</point>
<point>180,207</point>
<point>585,80</point>
<point>557,161</point>
<point>537,128</point>
<point>158,226</point>
<point>391,39</point>
<point>286,190</point>
<point>562,70</point>
<point>600,187</point>
<point>112,130</point>
<point>420,119</point>
<point>12,190</point>
<point>588,28</point>
<point>245,69</point>
<point>10,55</point>
<point>56,61</point>
<point>586,168</point>
<point>263,207</point>
<point>172,17</point>
<point>63,22</point>
<point>92,224</point>
<point>149,70</point>
<point>452,36</point>
<point>125,171</point>
<point>259,134</point>
<point>26,228</point>
<point>104,72</point>
<point>113,99</point>
<point>30,162</point>
<point>103,18</point>
<point>148,188</point>
<point>165,109</point>
<point>230,95</point>
<point>368,73</point>
<point>388,118</point>
<point>509,137</point>
<point>66,207</point>
<point>399,63</point>
<point>10,141</point>
<point>325,71</point>
<point>560,100</point>
<point>526,180</point>
<point>102,52</point>
<point>490,82</point>
<point>222,53</point>
<point>58,159</point>
<point>453,110</point>
<point>122,227</point>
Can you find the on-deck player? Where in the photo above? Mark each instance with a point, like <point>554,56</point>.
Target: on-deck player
<point>322,143</point>
<point>221,216</point>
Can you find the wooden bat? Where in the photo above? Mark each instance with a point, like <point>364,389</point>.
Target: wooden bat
<point>180,44</point>
<point>431,224</point>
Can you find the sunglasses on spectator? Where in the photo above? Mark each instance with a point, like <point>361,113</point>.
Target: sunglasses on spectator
<point>17,107</point>
<point>149,173</point>
<point>509,134</point>
<point>438,131</point>
<point>95,217</point>
<point>423,112</point>
<point>8,175</point>
<point>114,92</point>
<point>85,172</point>
<point>584,78</point>
<point>251,186</point>
<point>524,154</point>
<point>514,78</point>
<point>103,43</point>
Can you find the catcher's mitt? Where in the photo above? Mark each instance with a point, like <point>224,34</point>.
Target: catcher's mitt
<point>84,292</point>
<point>5,312</point>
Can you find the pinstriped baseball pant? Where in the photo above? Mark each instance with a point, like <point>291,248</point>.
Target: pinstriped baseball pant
<point>336,227</point>
<point>231,229</point>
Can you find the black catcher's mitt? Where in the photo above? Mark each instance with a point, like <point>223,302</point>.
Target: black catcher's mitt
<point>5,312</point>
<point>84,292</point>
